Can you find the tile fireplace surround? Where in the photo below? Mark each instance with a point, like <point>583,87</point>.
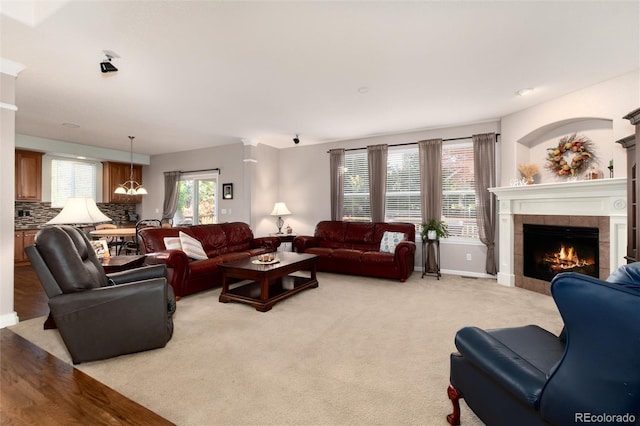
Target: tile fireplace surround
<point>600,203</point>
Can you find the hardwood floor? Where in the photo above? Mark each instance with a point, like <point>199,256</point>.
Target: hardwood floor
<point>29,299</point>
<point>38,388</point>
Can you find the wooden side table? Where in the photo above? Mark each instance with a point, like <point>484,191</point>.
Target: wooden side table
<point>121,263</point>
<point>285,238</point>
<point>425,246</point>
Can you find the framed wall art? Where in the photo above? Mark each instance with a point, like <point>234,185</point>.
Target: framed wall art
<point>227,191</point>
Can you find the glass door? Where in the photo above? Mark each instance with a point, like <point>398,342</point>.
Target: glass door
<point>196,201</point>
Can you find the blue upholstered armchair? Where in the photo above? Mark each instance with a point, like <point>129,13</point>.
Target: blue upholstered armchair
<point>529,376</point>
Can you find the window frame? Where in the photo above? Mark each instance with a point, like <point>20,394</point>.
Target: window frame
<point>57,202</point>
<point>411,192</point>
<point>363,187</point>
<point>466,143</point>
<point>197,177</point>
<point>361,157</point>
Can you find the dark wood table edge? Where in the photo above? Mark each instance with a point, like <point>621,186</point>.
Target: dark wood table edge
<point>260,305</point>
<point>121,263</point>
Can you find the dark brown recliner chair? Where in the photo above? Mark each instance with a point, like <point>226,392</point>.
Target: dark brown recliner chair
<point>100,315</point>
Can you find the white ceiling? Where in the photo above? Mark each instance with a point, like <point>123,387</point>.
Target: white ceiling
<point>195,74</point>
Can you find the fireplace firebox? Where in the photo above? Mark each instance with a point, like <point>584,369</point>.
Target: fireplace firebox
<point>549,250</point>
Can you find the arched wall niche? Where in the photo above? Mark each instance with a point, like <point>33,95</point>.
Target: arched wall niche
<point>534,145</point>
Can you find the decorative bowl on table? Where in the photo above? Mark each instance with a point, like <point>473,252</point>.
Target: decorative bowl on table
<point>266,259</point>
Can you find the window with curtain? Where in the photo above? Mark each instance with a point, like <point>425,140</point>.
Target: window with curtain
<point>403,187</point>
<point>197,199</point>
<point>72,178</point>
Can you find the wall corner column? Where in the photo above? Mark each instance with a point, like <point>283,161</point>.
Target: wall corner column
<point>8,73</point>
<point>248,196</point>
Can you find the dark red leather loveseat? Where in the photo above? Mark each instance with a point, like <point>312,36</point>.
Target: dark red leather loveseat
<point>223,242</point>
<point>354,248</point>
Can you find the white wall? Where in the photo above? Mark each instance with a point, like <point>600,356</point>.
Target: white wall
<point>606,101</point>
<point>229,158</point>
<point>266,190</point>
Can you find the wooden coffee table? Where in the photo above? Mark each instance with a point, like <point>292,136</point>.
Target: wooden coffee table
<point>266,285</point>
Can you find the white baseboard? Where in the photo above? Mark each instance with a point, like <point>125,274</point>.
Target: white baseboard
<point>467,274</point>
<point>461,273</point>
<point>7,320</point>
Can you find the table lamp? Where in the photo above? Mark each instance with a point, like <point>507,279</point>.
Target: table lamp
<point>280,209</point>
<point>79,211</point>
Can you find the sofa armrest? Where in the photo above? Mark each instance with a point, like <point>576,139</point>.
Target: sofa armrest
<point>177,263</point>
<point>405,249</point>
<point>271,243</point>
<point>404,257</point>
<point>171,258</point>
<point>506,367</point>
<point>303,242</point>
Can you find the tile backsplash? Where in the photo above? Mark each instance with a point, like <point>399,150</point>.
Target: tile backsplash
<point>34,215</point>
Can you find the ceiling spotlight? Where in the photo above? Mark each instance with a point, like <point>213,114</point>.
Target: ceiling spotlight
<point>296,140</point>
<point>106,65</point>
<point>524,92</point>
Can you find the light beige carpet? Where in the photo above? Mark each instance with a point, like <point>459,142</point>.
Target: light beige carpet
<point>354,351</point>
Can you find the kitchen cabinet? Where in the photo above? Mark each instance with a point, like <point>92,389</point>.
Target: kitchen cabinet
<point>23,238</point>
<point>28,175</point>
<point>114,175</point>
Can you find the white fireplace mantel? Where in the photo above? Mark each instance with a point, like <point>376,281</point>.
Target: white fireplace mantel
<point>600,197</point>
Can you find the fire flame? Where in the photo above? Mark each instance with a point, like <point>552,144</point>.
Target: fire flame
<point>567,258</point>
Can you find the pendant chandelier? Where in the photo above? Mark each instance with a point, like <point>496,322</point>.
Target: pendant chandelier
<point>131,187</point>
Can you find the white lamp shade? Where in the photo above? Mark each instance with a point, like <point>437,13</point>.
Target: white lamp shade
<point>280,209</point>
<point>79,210</point>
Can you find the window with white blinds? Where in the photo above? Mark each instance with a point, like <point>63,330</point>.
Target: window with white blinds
<point>402,202</point>
<point>458,189</point>
<point>71,178</point>
<point>403,187</point>
<point>357,206</point>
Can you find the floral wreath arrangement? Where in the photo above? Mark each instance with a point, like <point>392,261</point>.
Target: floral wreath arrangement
<point>579,147</point>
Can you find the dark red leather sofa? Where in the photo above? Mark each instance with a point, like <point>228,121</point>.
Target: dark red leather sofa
<point>223,242</point>
<point>354,248</point>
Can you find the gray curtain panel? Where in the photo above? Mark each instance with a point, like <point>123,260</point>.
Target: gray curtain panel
<point>484,163</point>
<point>430,154</point>
<point>377,160</point>
<point>336,170</point>
<point>170,204</point>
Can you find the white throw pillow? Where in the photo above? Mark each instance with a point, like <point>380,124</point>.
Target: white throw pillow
<point>390,240</point>
<point>172,243</point>
<point>192,247</point>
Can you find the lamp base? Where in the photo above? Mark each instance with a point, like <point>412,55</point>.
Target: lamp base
<point>279,224</point>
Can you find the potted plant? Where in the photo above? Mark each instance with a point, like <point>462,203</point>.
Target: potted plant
<point>434,229</point>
